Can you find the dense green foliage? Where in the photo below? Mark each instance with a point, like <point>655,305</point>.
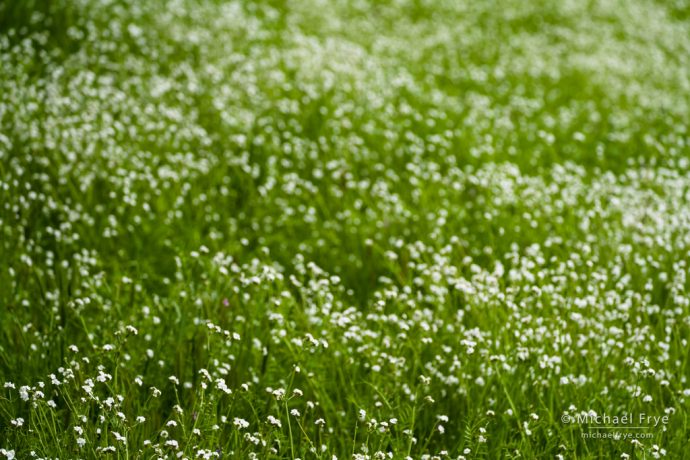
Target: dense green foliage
<point>320,229</point>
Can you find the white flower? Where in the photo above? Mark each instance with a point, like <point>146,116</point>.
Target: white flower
<point>240,423</point>
<point>172,443</point>
<point>17,421</point>
<point>222,386</point>
<point>525,425</point>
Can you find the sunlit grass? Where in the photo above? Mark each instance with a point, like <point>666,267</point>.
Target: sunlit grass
<point>343,229</point>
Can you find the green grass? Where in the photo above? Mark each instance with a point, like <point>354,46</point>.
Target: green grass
<point>357,229</point>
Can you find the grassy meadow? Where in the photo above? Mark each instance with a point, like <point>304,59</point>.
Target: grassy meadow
<point>344,229</point>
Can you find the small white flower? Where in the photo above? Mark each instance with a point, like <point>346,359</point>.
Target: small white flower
<point>525,425</point>
<point>240,423</point>
<point>17,421</point>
